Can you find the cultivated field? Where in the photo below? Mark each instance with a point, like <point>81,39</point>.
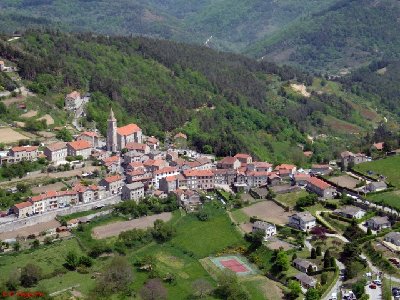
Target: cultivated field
<point>49,119</point>
<point>345,181</point>
<point>9,135</point>
<point>290,199</point>
<point>389,167</point>
<point>268,211</point>
<point>114,229</point>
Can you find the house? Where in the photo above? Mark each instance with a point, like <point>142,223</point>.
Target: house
<point>259,166</point>
<point>134,156</point>
<point>350,212</point>
<point>130,133</point>
<point>112,163</point>
<point>23,209</point>
<point>113,184</point>
<point>90,136</point>
<point>245,159</point>
<point>229,163</point>
<point>133,191</point>
<point>199,179</point>
<point>73,101</point>
<point>303,221</point>
<point>180,136</point>
<point>188,199</point>
<point>162,173</point>
<point>99,154</point>
<point>274,179</point>
<point>267,228</point>
<point>321,188</point>
<point>304,265</point>
<point>302,179</point>
<point>378,223</point>
<point>321,169</point>
<point>29,153</point>
<point>156,155</point>
<point>256,179</point>
<point>291,168</point>
<point>306,281</point>
<point>153,143</point>
<point>349,159</point>
<point>89,193</point>
<point>393,238</point>
<point>376,186</point>
<point>134,166</point>
<point>79,148</point>
<point>224,176</point>
<point>378,146</point>
<point>153,165</point>
<point>56,152</point>
<point>138,147</point>
<point>139,175</point>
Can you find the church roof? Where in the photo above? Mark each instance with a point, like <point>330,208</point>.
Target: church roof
<point>128,129</point>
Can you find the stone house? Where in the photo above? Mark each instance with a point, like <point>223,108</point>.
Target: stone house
<point>79,148</point>
<point>133,191</point>
<point>321,188</point>
<point>23,209</point>
<point>56,152</point>
<point>267,228</point>
<point>113,184</point>
<point>378,223</point>
<point>350,212</point>
<point>229,163</point>
<point>303,265</point>
<point>29,153</point>
<point>303,221</point>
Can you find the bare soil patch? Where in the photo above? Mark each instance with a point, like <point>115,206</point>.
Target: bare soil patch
<point>51,187</point>
<point>268,211</point>
<point>30,114</point>
<point>345,181</point>
<point>300,88</point>
<point>115,229</point>
<point>34,229</point>
<point>9,135</point>
<point>49,119</point>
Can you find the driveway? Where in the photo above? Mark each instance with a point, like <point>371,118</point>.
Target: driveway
<point>374,294</point>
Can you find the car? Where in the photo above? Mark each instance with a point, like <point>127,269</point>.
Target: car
<point>372,286</point>
<point>333,296</point>
<point>377,282</point>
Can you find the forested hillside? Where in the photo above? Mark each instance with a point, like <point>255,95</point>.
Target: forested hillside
<point>348,34</point>
<point>225,102</point>
<point>233,24</point>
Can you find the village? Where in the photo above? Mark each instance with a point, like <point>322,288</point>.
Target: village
<point>316,203</point>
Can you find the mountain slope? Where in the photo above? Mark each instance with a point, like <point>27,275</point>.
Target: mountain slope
<point>347,35</point>
<point>233,24</point>
<point>224,102</point>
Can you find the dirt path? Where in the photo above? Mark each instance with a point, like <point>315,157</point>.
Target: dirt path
<point>116,228</point>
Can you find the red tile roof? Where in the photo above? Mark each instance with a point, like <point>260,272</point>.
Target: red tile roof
<point>228,160</point>
<point>166,170</point>
<point>111,179</point>
<point>74,95</point>
<point>285,166</point>
<point>379,146</point>
<point>262,164</point>
<point>242,155</point>
<point>23,205</point>
<point>128,129</point>
<point>308,153</point>
<point>24,148</point>
<point>180,135</point>
<point>135,173</point>
<point>258,174</point>
<point>170,178</point>
<point>198,173</point>
<point>56,146</point>
<point>316,166</point>
<point>152,140</point>
<point>152,162</point>
<point>80,145</point>
<point>90,133</point>
<point>319,183</point>
<point>111,159</point>
<point>136,146</point>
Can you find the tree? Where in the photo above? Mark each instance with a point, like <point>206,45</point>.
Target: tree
<point>229,287</point>
<point>35,244</point>
<point>13,280</point>
<point>294,256</point>
<point>64,135</point>
<point>359,288</point>
<point>312,294</point>
<point>30,275</point>
<point>116,277</point>
<point>324,278</point>
<point>318,251</point>
<point>369,231</point>
<point>201,288</point>
<point>85,261</point>
<point>16,246</point>
<point>72,260</point>
<point>310,270</point>
<point>162,232</point>
<point>313,253</point>
<point>282,262</point>
<point>153,290</point>
<point>294,289</point>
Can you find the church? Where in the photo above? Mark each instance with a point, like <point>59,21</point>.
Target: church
<point>118,137</point>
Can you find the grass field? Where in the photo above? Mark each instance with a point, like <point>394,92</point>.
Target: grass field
<point>205,238</point>
<point>290,198</point>
<point>388,167</point>
<point>239,216</point>
<point>391,199</point>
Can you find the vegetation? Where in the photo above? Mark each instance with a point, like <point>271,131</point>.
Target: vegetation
<point>388,167</point>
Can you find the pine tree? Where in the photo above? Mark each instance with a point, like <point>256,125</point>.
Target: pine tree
<point>313,253</point>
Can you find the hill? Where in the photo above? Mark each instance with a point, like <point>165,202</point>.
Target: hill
<point>233,24</point>
<point>344,36</point>
<point>225,102</point>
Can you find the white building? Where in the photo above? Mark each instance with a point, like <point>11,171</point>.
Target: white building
<point>267,228</point>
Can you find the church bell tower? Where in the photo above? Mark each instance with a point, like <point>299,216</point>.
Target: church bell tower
<point>112,132</point>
